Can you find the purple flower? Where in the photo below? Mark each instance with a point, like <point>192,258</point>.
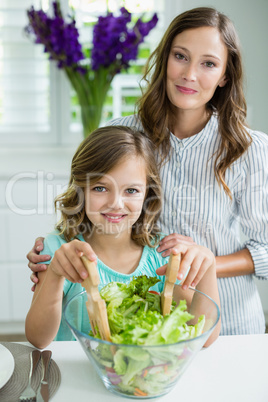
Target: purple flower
<point>60,39</point>
<point>145,27</point>
<point>114,43</point>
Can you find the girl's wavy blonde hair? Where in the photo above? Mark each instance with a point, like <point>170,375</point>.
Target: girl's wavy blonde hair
<point>156,111</point>
<point>100,152</point>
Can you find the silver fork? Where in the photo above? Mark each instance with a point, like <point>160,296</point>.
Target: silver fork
<point>29,394</point>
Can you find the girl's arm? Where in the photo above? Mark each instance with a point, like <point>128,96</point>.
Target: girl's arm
<point>44,317</point>
<point>201,275</point>
<point>208,285</point>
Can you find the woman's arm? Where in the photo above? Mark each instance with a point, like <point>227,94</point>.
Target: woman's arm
<point>239,263</point>
<point>35,258</point>
<point>235,264</point>
<point>251,194</point>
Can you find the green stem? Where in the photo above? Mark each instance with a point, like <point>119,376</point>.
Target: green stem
<point>91,92</point>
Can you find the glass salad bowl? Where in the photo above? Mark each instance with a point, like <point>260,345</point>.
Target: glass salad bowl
<point>147,370</point>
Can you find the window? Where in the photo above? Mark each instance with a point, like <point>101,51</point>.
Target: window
<point>25,96</point>
<point>37,105</point>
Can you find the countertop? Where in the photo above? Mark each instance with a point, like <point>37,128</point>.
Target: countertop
<point>232,369</point>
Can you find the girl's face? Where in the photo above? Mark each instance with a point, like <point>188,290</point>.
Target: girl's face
<point>196,67</point>
<point>115,202</point>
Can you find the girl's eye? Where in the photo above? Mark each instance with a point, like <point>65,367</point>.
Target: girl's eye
<point>209,64</point>
<point>99,189</point>
<point>132,191</point>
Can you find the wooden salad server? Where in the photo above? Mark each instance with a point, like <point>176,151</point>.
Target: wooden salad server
<point>171,276</point>
<point>96,306</point>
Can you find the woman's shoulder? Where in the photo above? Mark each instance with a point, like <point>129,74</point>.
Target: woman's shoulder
<point>258,150</point>
<point>128,121</point>
<point>255,158</point>
<point>259,139</point>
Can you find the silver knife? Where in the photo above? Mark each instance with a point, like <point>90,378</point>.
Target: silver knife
<point>43,390</point>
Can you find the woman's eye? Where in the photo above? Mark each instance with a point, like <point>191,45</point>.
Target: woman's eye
<point>209,64</point>
<point>132,191</point>
<point>179,56</point>
<point>99,189</point>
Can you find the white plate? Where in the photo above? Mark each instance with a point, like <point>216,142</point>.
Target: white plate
<point>7,365</point>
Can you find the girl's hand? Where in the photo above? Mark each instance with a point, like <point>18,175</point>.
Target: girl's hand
<point>170,241</point>
<point>67,262</point>
<point>198,258</point>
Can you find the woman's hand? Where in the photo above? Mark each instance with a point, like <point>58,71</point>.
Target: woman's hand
<point>34,260</point>
<point>198,258</point>
<point>67,262</point>
<point>170,241</point>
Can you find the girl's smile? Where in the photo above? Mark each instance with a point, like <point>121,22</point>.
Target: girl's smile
<point>114,218</point>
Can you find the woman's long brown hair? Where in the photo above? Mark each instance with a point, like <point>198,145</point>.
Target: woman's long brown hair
<point>100,152</point>
<point>155,109</point>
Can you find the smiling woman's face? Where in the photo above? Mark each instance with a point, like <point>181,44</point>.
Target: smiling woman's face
<point>196,67</point>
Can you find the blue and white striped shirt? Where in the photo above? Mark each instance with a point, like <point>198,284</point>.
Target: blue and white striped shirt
<point>196,205</point>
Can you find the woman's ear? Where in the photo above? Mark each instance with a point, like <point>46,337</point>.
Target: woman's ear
<point>223,82</point>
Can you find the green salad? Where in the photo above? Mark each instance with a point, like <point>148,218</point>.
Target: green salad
<point>134,314</point>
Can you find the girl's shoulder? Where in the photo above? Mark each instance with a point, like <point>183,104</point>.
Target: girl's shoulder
<point>153,258</point>
<point>53,241</point>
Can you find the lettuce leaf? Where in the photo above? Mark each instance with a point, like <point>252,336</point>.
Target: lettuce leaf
<point>135,318</point>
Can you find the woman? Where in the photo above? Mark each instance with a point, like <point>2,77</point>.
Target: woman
<point>214,169</point>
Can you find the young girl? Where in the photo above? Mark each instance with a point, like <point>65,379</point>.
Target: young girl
<point>111,206</point>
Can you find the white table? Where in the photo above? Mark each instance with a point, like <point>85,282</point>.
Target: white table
<point>232,369</point>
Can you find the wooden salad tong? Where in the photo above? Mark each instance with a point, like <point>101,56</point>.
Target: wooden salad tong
<point>171,276</point>
<point>96,306</point>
